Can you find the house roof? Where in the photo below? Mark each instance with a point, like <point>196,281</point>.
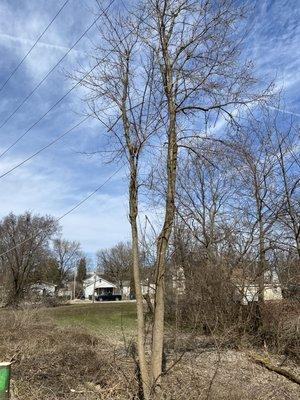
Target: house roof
<point>100,282</point>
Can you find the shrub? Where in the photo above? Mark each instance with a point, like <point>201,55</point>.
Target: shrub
<point>280,327</point>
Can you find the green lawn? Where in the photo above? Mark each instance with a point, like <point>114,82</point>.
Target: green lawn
<point>113,319</point>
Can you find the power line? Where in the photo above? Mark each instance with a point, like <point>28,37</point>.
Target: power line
<point>52,69</point>
<point>33,46</point>
<point>69,211</point>
<point>67,93</point>
<point>52,142</point>
<point>90,195</point>
<point>64,96</point>
<point>57,102</point>
<point>42,117</point>
<point>44,147</point>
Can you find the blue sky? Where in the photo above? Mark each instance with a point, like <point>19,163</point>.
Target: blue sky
<point>60,176</point>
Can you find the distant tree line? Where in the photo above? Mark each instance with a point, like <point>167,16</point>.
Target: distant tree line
<point>32,250</point>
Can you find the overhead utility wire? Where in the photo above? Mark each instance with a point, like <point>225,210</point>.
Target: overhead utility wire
<point>52,142</point>
<point>77,205</point>
<point>44,147</point>
<point>33,46</point>
<point>90,195</point>
<point>61,99</point>
<point>52,69</point>
<point>66,94</point>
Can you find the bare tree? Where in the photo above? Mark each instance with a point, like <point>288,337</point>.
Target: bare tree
<point>124,80</point>
<point>24,244</point>
<point>255,175</point>
<point>283,135</point>
<point>162,67</point>
<point>285,145</point>
<point>205,193</point>
<point>66,255</point>
<point>197,57</point>
<point>116,263</point>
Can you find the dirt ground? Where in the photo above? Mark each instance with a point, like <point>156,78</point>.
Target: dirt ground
<point>60,362</point>
<point>229,374</point>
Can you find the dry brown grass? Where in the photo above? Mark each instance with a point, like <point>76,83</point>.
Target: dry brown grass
<point>51,362</point>
<point>228,375</point>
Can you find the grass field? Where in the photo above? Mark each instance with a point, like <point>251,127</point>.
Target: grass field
<point>53,358</point>
<point>110,319</point>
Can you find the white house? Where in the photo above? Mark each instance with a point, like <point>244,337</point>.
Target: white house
<point>94,284</point>
<point>147,288</point>
<point>67,291</point>
<point>249,293</point>
<point>44,288</point>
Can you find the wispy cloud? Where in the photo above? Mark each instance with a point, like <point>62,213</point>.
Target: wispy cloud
<point>58,178</point>
<point>284,111</point>
<point>5,40</point>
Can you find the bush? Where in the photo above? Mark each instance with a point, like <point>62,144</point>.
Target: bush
<point>207,304</point>
<point>280,327</point>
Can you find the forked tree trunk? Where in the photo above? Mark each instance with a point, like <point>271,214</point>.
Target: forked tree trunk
<point>133,157</point>
<point>162,246</point>
<point>164,237</point>
<point>133,207</point>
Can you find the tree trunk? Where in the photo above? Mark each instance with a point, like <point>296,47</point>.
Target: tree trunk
<point>162,245</point>
<point>133,201</point>
<point>261,240</point>
<point>261,267</point>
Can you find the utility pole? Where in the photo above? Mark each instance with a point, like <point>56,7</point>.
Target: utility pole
<point>74,283</point>
<point>94,287</point>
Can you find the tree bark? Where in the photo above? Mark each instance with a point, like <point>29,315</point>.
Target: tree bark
<point>164,237</point>
<point>162,245</point>
<point>262,265</point>
<point>133,201</point>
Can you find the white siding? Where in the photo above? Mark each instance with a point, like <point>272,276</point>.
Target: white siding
<point>89,285</point>
<point>271,292</point>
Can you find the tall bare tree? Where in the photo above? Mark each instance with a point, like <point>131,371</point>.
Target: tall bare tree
<point>164,67</point>
<point>124,80</point>
<point>201,78</point>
